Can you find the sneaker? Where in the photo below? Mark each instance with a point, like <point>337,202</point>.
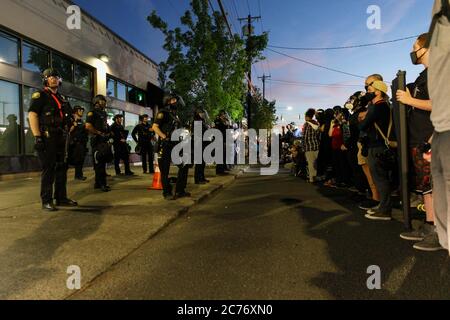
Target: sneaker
<point>429,244</point>
<point>368,204</point>
<point>373,210</point>
<point>415,235</point>
<point>380,216</point>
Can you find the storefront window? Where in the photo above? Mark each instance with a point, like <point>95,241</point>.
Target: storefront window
<point>121,91</point>
<point>131,121</point>
<point>63,66</point>
<point>34,58</point>
<point>9,119</point>
<point>111,87</point>
<point>9,49</point>
<point>136,96</point>
<point>83,77</point>
<point>29,138</point>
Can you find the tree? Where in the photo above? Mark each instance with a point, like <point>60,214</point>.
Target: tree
<point>204,65</point>
<point>263,112</point>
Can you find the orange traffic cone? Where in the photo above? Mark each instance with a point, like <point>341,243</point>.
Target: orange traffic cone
<point>157,185</point>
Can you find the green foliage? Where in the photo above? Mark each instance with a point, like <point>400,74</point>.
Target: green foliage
<point>263,112</point>
<point>204,65</point>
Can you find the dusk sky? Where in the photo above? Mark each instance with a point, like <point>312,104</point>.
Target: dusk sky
<point>294,23</point>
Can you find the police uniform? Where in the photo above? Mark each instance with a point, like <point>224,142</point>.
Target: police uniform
<point>55,117</point>
<point>222,126</point>
<point>168,122</point>
<point>98,119</point>
<point>143,137</point>
<point>78,149</point>
<point>121,151</point>
<point>199,171</point>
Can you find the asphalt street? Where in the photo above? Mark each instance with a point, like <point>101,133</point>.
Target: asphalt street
<point>275,237</point>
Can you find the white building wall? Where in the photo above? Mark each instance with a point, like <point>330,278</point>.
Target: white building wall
<point>45,21</point>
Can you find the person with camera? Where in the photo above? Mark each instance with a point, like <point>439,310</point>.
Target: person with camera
<point>357,104</point>
<point>97,126</point>
<point>377,125</point>
<point>50,117</point>
<point>420,130</point>
<point>143,135</point>
<point>339,151</point>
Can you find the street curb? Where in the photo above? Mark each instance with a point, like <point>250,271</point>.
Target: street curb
<point>181,212</point>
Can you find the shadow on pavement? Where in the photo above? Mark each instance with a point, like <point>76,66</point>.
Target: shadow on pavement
<point>24,262</point>
<point>355,243</point>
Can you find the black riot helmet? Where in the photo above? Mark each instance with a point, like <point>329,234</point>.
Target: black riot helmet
<point>50,72</point>
<point>201,114</point>
<point>173,101</point>
<point>97,99</point>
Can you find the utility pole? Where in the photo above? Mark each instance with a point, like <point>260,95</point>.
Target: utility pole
<point>249,48</point>
<point>264,78</point>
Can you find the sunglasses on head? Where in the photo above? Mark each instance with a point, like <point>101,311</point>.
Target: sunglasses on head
<point>369,85</point>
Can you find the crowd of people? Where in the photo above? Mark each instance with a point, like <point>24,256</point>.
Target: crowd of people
<point>355,147</point>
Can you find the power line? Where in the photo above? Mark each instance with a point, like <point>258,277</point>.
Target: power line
<point>235,8</point>
<point>344,47</point>
<point>312,84</point>
<point>248,6</point>
<point>318,65</point>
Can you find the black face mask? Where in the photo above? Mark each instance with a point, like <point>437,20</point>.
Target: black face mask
<point>414,58</point>
<point>367,98</point>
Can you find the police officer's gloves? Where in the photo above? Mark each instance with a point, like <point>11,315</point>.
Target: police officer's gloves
<point>39,145</point>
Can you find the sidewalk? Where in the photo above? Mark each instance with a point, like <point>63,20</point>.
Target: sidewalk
<point>37,247</point>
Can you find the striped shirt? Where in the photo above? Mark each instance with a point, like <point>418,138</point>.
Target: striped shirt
<point>311,137</point>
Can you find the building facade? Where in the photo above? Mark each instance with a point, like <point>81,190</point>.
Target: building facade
<point>34,35</point>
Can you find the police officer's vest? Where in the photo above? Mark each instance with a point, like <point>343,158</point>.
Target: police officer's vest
<point>99,120</point>
<point>56,112</point>
<point>171,122</point>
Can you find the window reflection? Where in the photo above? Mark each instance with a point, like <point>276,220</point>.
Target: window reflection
<point>9,49</point>
<point>9,119</point>
<point>121,91</point>
<point>29,138</point>
<point>83,77</point>
<point>34,58</point>
<point>131,121</point>
<point>63,66</point>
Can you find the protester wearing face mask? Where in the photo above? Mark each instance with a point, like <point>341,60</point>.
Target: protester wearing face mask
<point>378,114</point>
<point>420,131</point>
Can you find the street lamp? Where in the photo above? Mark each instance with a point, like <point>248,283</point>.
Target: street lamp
<point>103,57</point>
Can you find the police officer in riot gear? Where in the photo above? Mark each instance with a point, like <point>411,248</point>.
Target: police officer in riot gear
<point>222,123</point>
<point>97,126</point>
<point>121,148</point>
<point>199,172</point>
<point>50,117</point>
<point>143,134</point>
<point>78,143</point>
<point>165,123</point>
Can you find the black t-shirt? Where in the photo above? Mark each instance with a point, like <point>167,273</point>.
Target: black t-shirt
<point>380,114</point>
<point>419,124</point>
<point>53,110</point>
